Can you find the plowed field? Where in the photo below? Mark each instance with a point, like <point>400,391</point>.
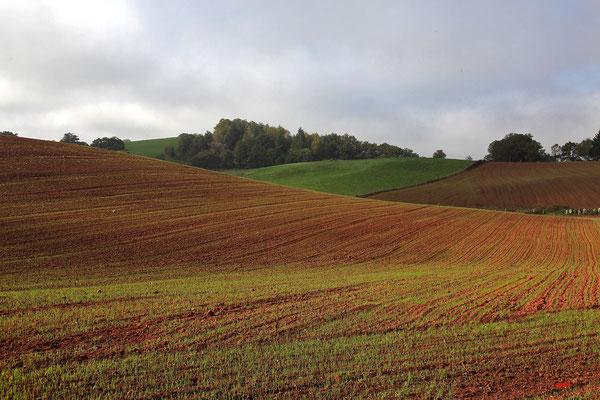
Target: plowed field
<point>511,186</point>
<point>126,277</point>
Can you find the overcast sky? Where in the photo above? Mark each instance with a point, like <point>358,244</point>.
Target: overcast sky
<point>428,75</point>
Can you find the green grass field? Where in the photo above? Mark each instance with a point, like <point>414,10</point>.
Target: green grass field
<point>356,177</point>
<point>150,147</point>
<point>285,333</point>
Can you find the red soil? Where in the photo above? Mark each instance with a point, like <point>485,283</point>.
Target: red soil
<point>510,186</point>
<point>73,211</point>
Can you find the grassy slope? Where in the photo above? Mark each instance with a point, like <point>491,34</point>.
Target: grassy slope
<point>125,277</point>
<point>511,186</point>
<point>150,147</point>
<point>356,177</point>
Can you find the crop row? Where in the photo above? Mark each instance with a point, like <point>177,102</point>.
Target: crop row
<point>142,215</point>
<point>121,274</point>
<point>511,186</point>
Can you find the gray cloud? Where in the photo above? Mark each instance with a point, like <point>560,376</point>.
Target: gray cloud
<point>425,75</point>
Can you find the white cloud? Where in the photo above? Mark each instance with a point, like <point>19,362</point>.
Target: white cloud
<point>424,75</point>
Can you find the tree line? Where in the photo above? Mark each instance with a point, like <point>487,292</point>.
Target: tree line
<point>519,147</point>
<point>244,144</point>
<point>241,144</point>
<point>108,143</point>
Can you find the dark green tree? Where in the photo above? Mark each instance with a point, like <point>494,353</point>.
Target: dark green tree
<point>389,151</point>
<point>594,152</point>
<point>206,159</point>
<point>241,154</point>
<point>301,140</point>
<point>299,155</point>
<point>569,152</point>
<point>184,146</point>
<point>227,159</point>
<point>280,141</point>
<point>229,132</point>
<point>72,138</point>
<point>439,154</point>
<point>349,148</point>
<point>583,149</point>
<point>406,152</point>
<point>516,147</point>
<point>8,133</point>
<point>326,147</point>
<point>242,144</point>
<point>112,143</point>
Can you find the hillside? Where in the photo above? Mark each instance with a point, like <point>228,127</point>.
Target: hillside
<point>123,276</point>
<point>356,177</point>
<point>511,186</point>
<point>150,147</point>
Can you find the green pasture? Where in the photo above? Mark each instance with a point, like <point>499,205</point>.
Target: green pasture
<point>150,147</point>
<point>356,177</point>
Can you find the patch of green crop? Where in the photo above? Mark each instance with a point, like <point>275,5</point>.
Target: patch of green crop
<point>356,177</point>
<point>151,147</point>
<point>288,332</point>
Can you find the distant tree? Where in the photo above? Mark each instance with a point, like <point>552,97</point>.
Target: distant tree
<point>8,133</point>
<point>583,149</point>
<point>301,140</point>
<point>241,154</point>
<point>113,143</point>
<point>569,152</point>
<point>72,138</point>
<point>169,153</point>
<point>230,132</point>
<point>280,141</point>
<point>390,151</point>
<point>206,159</point>
<point>439,154</point>
<point>327,147</point>
<point>516,147</point>
<point>262,152</point>
<point>594,152</point>
<point>318,148</point>
<point>299,155</point>
<point>469,158</point>
<point>248,144</point>
<point>556,152</point>
<point>227,158</point>
<point>406,152</point>
<point>184,144</point>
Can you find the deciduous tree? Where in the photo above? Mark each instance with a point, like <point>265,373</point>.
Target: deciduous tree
<point>594,152</point>
<point>72,138</point>
<point>112,143</point>
<point>439,154</point>
<point>516,147</point>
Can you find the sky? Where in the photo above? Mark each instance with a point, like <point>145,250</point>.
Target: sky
<point>427,75</point>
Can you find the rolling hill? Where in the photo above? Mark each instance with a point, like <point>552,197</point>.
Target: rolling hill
<point>510,186</point>
<point>356,177</point>
<point>122,276</point>
<point>150,147</point>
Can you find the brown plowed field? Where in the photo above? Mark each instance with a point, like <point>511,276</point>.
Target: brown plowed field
<point>127,277</point>
<point>510,186</point>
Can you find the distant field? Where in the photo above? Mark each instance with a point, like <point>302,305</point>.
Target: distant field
<point>150,147</point>
<point>511,186</point>
<point>356,177</point>
<point>127,277</point>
